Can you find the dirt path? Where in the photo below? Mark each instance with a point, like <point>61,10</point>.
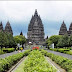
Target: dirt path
<point>56,65</point>
<point>16,65</point>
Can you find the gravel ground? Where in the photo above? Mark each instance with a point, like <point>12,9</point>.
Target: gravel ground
<point>9,54</point>
<point>61,54</point>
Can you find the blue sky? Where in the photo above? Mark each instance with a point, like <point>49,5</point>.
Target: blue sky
<point>52,13</point>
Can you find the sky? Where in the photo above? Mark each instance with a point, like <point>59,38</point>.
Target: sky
<point>52,13</point>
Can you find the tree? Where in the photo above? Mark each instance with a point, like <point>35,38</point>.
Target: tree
<point>6,40</point>
<point>2,40</point>
<point>70,40</point>
<point>53,39</point>
<point>63,41</point>
<point>11,41</point>
<point>60,42</point>
<point>20,39</point>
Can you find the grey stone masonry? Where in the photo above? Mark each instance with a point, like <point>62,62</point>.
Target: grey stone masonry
<point>35,29</point>
<point>8,28</point>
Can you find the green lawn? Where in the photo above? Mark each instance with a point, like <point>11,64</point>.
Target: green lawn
<point>20,67</point>
<point>35,62</point>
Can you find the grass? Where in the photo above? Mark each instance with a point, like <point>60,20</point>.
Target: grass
<point>35,62</point>
<point>20,67</point>
<point>63,62</point>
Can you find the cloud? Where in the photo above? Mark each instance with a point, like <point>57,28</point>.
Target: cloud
<point>52,14</point>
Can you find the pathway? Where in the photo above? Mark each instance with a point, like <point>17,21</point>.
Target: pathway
<point>61,54</point>
<point>59,69</point>
<point>9,54</point>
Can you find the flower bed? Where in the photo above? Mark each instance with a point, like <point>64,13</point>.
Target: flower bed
<point>9,61</point>
<point>63,62</point>
<point>35,48</point>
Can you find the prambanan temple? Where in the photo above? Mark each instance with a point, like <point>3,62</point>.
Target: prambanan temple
<point>35,29</point>
<point>63,29</point>
<point>7,29</point>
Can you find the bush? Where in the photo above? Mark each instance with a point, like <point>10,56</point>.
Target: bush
<point>6,63</point>
<point>63,62</point>
<point>1,52</point>
<point>62,50</point>
<point>8,50</point>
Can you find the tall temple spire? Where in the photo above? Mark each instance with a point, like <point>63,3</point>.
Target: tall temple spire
<point>8,28</point>
<point>63,29</point>
<point>70,28</point>
<point>35,30</point>
<point>1,26</point>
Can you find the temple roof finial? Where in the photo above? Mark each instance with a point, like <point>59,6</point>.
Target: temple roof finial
<point>63,21</point>
<point>36,13</point>
<point>21,33</point>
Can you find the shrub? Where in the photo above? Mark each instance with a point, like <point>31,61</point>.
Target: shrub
<point>8,50</point>
<point>67,51</point>
<point>35,62</point>
<point>1,52</point>
<point>6,63</point>
<point>63,62</point>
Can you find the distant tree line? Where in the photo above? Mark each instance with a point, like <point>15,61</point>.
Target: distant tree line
<point>8,41</point>
<point>60,41</point>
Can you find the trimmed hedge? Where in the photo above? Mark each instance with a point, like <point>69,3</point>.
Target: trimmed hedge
<point>9,61</point>
<point>66,51</point>
<point>8,50</point>
<point>63,62</point>
<point>1,52</point>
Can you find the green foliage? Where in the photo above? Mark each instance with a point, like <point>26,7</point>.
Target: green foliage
<point>6,63</point>
<point>2,39</point>
<point>8,50</point>
<point>53,39</point>
<point>63,62</point>
<point>63,41</point>
<point>35,62</point>
<point>6,40</point>
<point>70,40</point>
<point>62,50</point>
<point>60,41</point>
<point>20,39</point>
<point>1,52</point>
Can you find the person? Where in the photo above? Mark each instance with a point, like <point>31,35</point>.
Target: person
<point>21,49</point>
<point>18,49</point>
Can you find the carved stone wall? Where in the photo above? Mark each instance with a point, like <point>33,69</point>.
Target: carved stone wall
<point>35,29</point>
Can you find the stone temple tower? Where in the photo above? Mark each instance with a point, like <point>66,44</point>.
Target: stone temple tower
<point>63,29</point>
<point>1,26</point>
<point>8,28</point>
<point>35,29</point>
<point>70,30</point>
